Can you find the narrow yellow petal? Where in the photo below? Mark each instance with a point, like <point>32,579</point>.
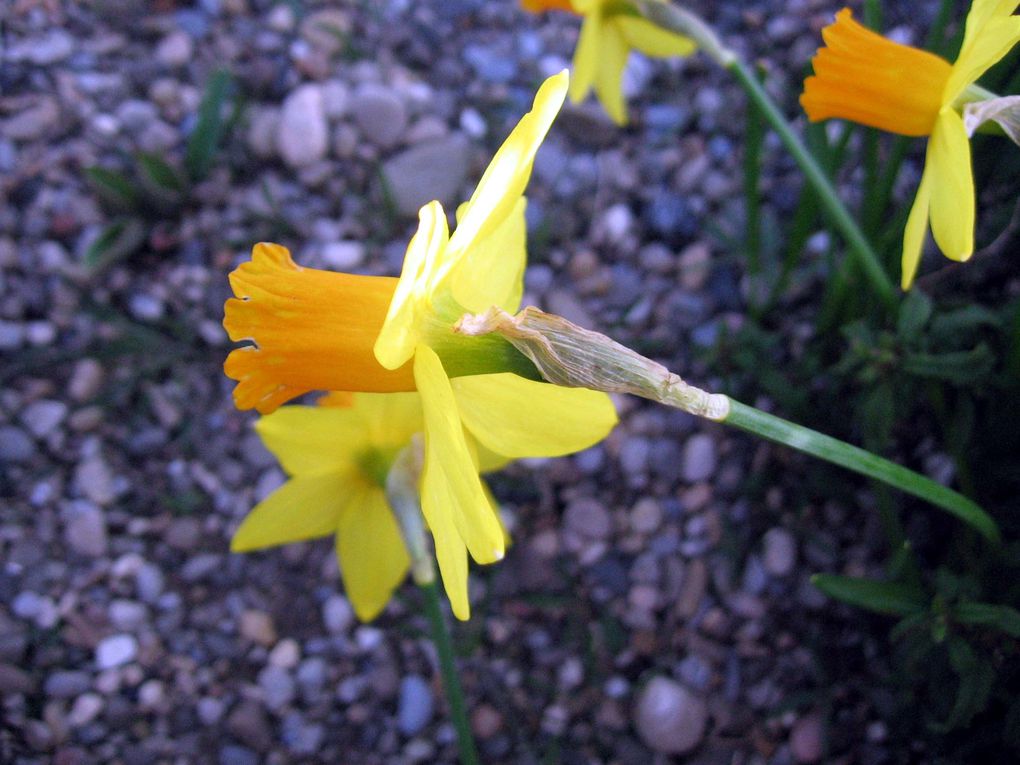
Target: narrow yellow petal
<point>371,553</point>
<point>451,554</point>
<point>504,179</point>
<point>586,56</point>
<point>401,329</point>
<point>952,195</point>
<point>303,508</point>
<point>451,488</point>
<point>494,274</point>
<point>612,60</point>
<point>523,418</point>
<point>916,230</point>
<point>653,40</point>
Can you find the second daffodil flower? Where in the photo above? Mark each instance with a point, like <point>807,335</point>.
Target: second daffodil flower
<point>314,330</point>
<point>610,31</point>
<point>866,78</point>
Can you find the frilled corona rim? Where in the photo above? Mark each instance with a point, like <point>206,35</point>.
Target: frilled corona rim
<point>865,78</point>
<point>311,329</point>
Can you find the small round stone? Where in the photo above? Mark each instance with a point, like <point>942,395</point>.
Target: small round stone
<point>669,718</point>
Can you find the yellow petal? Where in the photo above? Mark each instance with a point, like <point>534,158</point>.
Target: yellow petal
<point>303,508</point>
<point>504,179</point>
<point>916,229</point>
<point>987,40</point>
<point>612,60</point>
<point>952,194</point>
<point>310,440</point>
<point>494,274</point>
<point>451,554</point>
<point>586,55</point>
<point>371,553</point>
<point>402,328</point>
<point>523,418</point>
<point>653,40</point>
<point>451,488</point>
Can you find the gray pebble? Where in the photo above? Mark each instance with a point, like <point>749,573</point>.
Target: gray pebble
<point>277,687</point>
<point>95,480</point>
<point>44,416</point>
<point>85,529</point>
<point>66,684</point>
<point>588,518</point>
<point>337,614</point>
<point>780,554</point>
<point>414,708</point>
<point>807,739</point>
<point>429,170</point>
<point>699,458</point>
<point>669,718</point>
<point>380,115</point>
<point>16,446</point>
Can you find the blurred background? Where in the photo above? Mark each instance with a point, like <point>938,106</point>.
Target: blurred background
<point>656,605</point>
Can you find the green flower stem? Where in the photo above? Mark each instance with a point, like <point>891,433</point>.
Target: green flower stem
<point>575,357</point>
<point>402,494</point>
<point>448,670</point>
<point>681,21</point>
<point>860,461</point>
<point>859,245</point>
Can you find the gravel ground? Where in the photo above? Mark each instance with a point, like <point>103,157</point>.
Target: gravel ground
<point>656,598</point>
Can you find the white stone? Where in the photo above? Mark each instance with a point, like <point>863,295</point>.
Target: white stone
<point>669,718</point>
<point>302,136</point>
<point>116,651</point>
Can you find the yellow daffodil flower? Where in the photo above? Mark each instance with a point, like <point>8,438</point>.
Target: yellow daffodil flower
<point>316,331</point>
<point>337,460</point>
<point>610,31</point>
<point>864,77</point>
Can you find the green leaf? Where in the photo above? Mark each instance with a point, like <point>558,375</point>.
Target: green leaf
<point>119,240</point>
<point>957,367</point>
<point>209,130</point>
<point>914,314</point>
<point>893,598</point>
<point>878,414</point>
<point>952,325</point>
<point>113,187</point>
<point>158,173</point>
<point>1004,618</point>
<point>977,676</point>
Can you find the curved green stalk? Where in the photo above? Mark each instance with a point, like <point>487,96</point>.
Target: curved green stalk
<point>860,461</point>
<point>686,23</point>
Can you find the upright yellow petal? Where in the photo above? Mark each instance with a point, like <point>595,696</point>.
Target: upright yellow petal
<point>504,179</point>
<point>952,194</point>
<point>371,553</point>
<point>586,55</point>
<point>653,40</point>
<point>523,418</point>
<point>494,274</point>
<point>451,488</point>
<point>989,41</point>
<point>916,229</point>
<point>612,60</point>
<point>305,507</point>
<point>401,330</point>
